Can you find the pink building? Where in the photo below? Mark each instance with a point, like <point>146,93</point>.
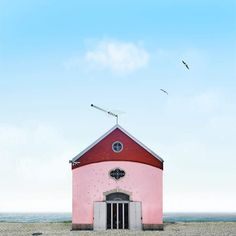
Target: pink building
<point>117,184</point>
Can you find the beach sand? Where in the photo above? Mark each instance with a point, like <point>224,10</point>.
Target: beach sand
<point>180,229</point>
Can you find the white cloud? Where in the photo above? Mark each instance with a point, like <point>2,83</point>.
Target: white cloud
<point>34,167</point>
<point>207,102</point>
<point>116,56</point>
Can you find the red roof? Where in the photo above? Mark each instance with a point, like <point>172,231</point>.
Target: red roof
<point>133,150</point>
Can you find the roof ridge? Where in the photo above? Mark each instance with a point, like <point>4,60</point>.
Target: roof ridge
<point>125,132</point>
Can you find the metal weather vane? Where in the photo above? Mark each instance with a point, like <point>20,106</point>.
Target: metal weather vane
<point>108,112</point>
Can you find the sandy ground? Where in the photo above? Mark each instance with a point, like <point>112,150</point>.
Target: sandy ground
<point>185,229</point>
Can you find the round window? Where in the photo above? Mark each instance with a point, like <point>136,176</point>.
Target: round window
<point>117,146</point>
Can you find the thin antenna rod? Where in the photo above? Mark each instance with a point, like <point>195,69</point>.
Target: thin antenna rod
<point>108,112</point>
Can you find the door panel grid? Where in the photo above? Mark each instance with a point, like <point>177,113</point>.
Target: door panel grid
<point>117,215</point>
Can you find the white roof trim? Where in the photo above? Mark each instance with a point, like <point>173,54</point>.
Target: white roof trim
<point>94,143</point>
<point>107,133</point>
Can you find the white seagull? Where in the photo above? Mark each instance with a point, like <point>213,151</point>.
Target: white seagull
<point>185,64</point>
<point>164,91</point>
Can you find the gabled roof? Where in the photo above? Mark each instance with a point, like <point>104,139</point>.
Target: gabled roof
<point>76,158</point>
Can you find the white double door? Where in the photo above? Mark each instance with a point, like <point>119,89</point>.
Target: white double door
<point>117,215</point>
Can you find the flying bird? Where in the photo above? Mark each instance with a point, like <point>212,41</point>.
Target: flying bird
<point>185,64</point>
<point>164,91</point>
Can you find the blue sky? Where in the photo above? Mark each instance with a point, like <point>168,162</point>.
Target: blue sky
<point>56,58</point>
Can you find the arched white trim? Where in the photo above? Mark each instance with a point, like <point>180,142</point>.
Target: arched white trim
<point>117,190</point>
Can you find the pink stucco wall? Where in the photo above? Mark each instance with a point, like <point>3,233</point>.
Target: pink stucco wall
<point>90,182</point>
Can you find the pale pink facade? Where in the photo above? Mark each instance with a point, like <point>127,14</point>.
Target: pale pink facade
<point>142,182</point>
